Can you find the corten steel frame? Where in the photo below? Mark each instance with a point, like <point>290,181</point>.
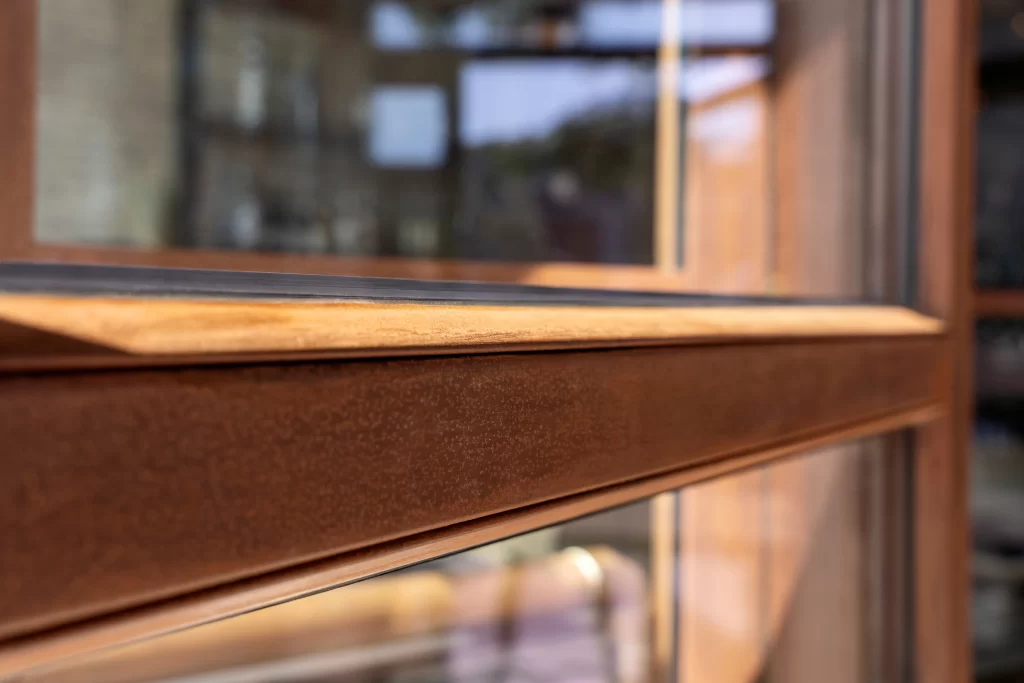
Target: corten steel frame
<point>138,458</point>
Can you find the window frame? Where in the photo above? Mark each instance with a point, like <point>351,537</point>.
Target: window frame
<point>940,417</point>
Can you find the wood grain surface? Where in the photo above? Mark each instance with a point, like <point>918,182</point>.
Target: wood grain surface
<point>149,484</point>
<point>39,330</point>
<point>942,557</point>
<point>132,625</point>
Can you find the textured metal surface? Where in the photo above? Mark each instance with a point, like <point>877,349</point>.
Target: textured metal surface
<point>120,488</point>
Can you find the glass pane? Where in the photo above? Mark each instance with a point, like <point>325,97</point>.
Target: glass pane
<point>997,502</point>
<point>797,572</point>
<point>1000,142</point>
<point>711,145</point>
<point>997,477</point>
<point>567,603</point>
<point>789,572</point>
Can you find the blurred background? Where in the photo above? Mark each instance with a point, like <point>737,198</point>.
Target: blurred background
<point>998,475</point>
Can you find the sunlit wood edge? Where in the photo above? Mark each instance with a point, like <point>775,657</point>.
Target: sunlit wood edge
<point>20,655</point>
<point>169,327</point>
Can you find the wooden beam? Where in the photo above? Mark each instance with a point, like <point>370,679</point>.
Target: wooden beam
<point>43,331</point>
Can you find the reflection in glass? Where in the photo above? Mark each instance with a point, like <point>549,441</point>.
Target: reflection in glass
<point>595,24</point>
<point>518,131</point>
<point>795,572</point>
<point>700,145</point>
<point>568,603</point>
<point>997,474</point>
<point>997,501</point>
<point>1000,139</point>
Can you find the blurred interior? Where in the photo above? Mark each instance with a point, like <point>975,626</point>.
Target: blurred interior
<point>997,477</point>
<point>742,146</point>
<point>791,572</point>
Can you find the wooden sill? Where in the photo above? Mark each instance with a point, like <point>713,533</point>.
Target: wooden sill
<point>61,331</point>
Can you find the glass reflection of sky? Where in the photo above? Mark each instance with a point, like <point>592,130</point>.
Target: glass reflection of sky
<point>605,24</point>
<point>515,99</point>
<point>624,23</point>
<point>510,99</point>
<point>408,126</point>
<point>394,27</point>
